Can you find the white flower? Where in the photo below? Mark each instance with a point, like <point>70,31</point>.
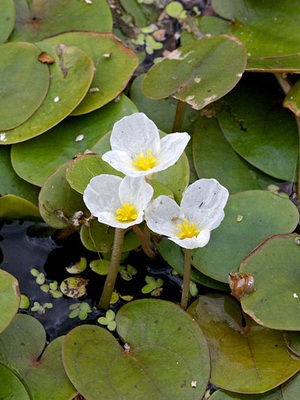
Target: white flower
<point>118,202</point>
<point>189,225</point>
<point>137,149</point>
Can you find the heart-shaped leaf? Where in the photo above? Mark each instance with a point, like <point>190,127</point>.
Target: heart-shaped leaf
<point>11,387</point>
<point>224,395</point>
<point>164,355</point>
<point>14,207</point>
<point>9,298</point>
<point>36,159</point>
<point>274,304</point>
<point>21,350</point>
<point>250,218</point>
<point>260,129</point>
<point>245,359</point>
<point>40,18</point>
<point>24,84</point>
<point>71,75</point>
<point>114,65</point>
<point>191,73</point>
<point>290,390</point>
<point>214,157</point>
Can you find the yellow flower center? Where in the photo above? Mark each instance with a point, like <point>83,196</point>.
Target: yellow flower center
<point>187,229</point>
<point>127,213</point>
<point>143,161</point>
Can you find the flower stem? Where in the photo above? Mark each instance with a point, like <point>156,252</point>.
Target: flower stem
<point>186,278</point>
<point>113,269</point>
<point>179,116</point>
<point>145,238</point>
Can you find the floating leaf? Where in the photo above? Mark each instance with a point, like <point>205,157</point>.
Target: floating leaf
<point>160,359</point>
<point>100,266</point>
<point>78,266</point>
<point>36,159</point>
<point>191,73</point>
<point>260,129</point>
<point>274,304</point>
<point>23,86</point>
<point>214,157</point>
<point>38,19</point>
<point>263,214</point>
<point>9,298</point>
<point>58,202</point>
<point>11,386</point>
<point>14,207</point>
<point>290,390</point>
<point>224,395</point>
<point>71,76</point>
<point>7,19</point>
<point>258,352</point>
<point>114,64</point>
<point>74,287</point>
<point>22,351</point>
<point>292,99</point>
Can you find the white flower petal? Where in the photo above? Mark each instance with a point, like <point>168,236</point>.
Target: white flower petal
<point>162,216</point>
<point>121,161</point>
<point>134,134</point>
<point>172,147</point>
<point>203,203</point>
<point>192,243</point>
<point>102,194</point>
<point>135,191</point>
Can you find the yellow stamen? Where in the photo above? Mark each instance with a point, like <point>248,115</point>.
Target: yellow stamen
<point>144,162</point>
<point>127,213</point>
<point>187,229</point>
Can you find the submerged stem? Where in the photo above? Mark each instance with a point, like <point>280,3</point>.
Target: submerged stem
<point>179,116</point>
<point>113,269</point>
<point>186,278</point>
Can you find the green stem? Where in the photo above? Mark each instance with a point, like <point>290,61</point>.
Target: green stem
<point>186,278</point>
<point>179,116</point>
<point>145,238</point>
<point>113,269</point>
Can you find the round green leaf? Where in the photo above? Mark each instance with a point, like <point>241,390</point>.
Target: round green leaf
<point>291,389</point>
<point>36,159</point>
<point>250,218</point>
<point>214,157</point>
<point>224,395</point>
<point>11,387</point>
<point>165,353</point>
<point>260,129</point>
<point>246,358</point>
<point>58,202</point>
<point>11,183</point>
<point>21,350</point>
<point>274,303</point>
<point>14,207</point>
<point>9,298</point>
<point>7,19</point>
<point>24,82</point>
<point>191,73</point>
<point>114,65</point>
<point>71,76</point>
<point>38,19</point>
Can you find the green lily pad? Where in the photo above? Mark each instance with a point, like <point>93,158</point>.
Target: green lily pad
<point>214,157</point>
<point>71,75</point>
<point>9,298</point>
<point>7,19</point>
<point>38,19</point>
<point>260,129</point>
<point>59,203</point>
<point>14,207</point>
<point>22,351</point>
<point>24,83</point>
<point>246,358</point>
<point>292,99</point>
<point>36,159</point>
<point>160,359</point>
<point>11,386</point>
<point>11,183</point>
<point>274,304</point>
<point>290,390</point>
<point>191,73</point>
<point>252,24</point>
<point>100,238</point>
<point>114,66</point>
<point>224,395</point>
<point>250,217</point>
